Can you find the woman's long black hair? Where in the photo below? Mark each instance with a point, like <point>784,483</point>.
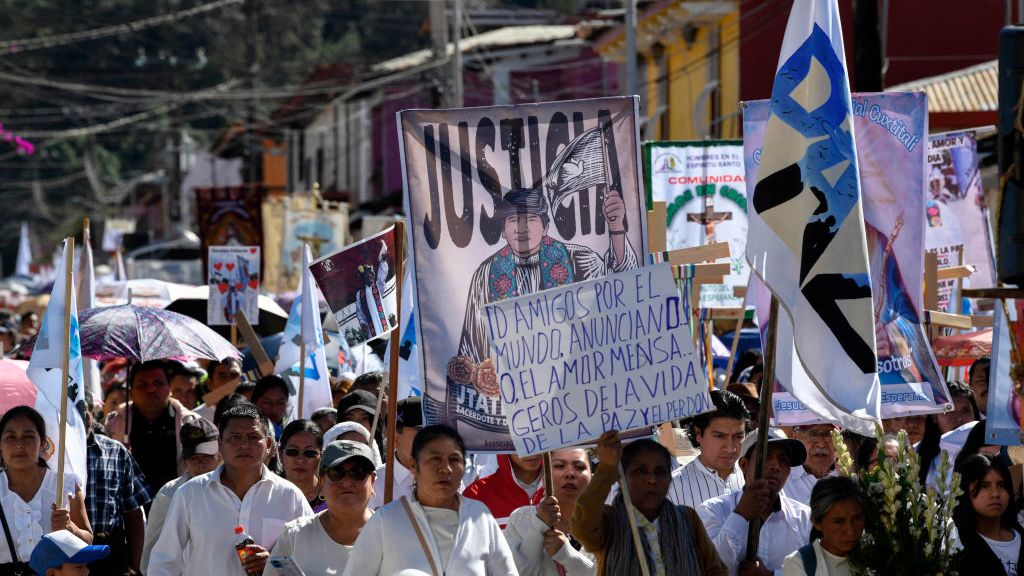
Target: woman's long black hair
<point>972,470</point>
<point>37,421</point>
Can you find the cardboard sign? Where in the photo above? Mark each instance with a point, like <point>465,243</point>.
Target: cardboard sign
<point>234,273</point>
<point>613,353</point>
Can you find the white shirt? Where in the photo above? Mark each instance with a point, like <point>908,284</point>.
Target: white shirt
<point>525,535</point>
<point>694,483</point>
<point>388,545</point>
<point>782,533</point>
<point>404,483</point>
<point>157,515</point>
<point>309,546</point>
<point>29,521</point>
<point>1007,552</point>
<point>828,564</point>
<point>198,536</point>
<point>800,484</point>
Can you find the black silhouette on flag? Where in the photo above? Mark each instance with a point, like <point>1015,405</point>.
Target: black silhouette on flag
<point>581,165</point>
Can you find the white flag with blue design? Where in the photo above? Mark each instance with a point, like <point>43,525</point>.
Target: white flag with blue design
<point>305,310</point>
<point>45,370</point>
<point>806,237</point>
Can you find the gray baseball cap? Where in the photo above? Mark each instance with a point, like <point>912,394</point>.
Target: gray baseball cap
<point>340,451</point>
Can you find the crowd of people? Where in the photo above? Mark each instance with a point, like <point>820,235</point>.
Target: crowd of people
<point>176,487</point>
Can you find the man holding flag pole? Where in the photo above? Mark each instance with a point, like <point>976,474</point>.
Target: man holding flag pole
<point>807,239</point>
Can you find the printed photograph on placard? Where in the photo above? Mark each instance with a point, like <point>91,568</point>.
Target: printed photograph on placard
<point>234,273</point>
<point>358,282</point>
<point>505,201</point>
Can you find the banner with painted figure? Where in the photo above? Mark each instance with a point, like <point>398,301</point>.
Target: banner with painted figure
<point>703,185</point>
<point>891,154</point>
<point>359,284</point>
<point>956,215</point>
<point>506,201</point>
<point>228,217</point>
<point>1006,375</point>
<point>234,274</point>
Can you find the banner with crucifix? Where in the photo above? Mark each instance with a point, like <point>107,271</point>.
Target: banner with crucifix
<point>892,174</point>
<point>324,228</point>
<point>503,202</point>
<point>704,188</point>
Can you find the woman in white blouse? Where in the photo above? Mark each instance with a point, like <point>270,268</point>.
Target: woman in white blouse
<point>321,543</point>
<point>437,531</point>
<point>28,489</point>
<point>539,535</point>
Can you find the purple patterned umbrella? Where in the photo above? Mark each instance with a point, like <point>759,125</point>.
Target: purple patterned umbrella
<point>142,333</point>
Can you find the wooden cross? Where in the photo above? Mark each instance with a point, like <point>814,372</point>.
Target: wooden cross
<point>709,218</point>
<point>315,242</point>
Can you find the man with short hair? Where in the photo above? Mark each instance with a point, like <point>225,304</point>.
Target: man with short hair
<point>198,536</point>
<point>152,429</point>
<point>714,472</point>
<point>787,523</point>
<point>821,457</point>
<point>185,380</point>
<point>370,382</point>
<point>201,452</point>
<point>271,397</point>
<point>114,499</point>
<point>978,381</point>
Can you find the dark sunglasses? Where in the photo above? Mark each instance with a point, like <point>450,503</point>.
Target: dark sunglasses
<point>356,473</point>
<point>294,453</point>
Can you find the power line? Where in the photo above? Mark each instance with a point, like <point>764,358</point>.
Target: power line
<point>27,44</point>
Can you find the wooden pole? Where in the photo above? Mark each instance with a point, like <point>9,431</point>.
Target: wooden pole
<point>396,337</point>
<point>69,263</point>
<point>736,337</point>
<point>709,355</point>
<point>234,335</point>
<point>252,342</point>
<point>624,488</point>
<point>764,414</point>
<point>549,483</point>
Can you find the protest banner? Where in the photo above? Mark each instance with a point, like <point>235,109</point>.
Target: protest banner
<point>892,179</point>
<point>228,217</point>
<point>359,284</point>
<point>614,353</point>
<point>1002,418</point>
<point>703,185</point>
<point>324,229</point>
<point>234,273</point>
<point>956,214</point>
<point>527,197</point>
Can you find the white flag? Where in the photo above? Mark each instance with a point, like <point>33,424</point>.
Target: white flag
<point>45,371</point>
<point>21,267</point>
<point>305,310</point>
<point>87,299</point>
<point>806,237</point>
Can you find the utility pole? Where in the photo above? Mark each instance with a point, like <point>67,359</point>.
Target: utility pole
<point>867,57</point>
<point>631,85</point>
<point>251,60</point>
<point>457,92</point>
<point>439,45</point>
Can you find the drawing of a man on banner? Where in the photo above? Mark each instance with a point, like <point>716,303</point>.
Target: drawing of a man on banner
<point>370,309</point>
<point>531,261</point>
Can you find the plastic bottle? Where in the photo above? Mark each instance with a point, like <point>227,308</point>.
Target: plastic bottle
<point>242,543</point>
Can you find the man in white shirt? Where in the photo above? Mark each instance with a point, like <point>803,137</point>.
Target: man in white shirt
<point>198,536</point>
<point>719,435</point>
<point>787,523</point>
<point>408,421</point>
<point>821,457</point>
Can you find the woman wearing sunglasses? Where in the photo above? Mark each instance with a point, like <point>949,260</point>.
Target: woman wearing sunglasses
<point>321,543</point>
<point>301,443</point>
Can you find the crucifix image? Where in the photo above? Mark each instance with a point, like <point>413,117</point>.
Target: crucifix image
<point>709,218</point>
<point>315,242</point>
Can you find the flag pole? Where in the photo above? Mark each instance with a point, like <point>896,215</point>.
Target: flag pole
<point>764,414</point>
<point>69,263</point>
<point>396,336</point>
<point>302,354</point>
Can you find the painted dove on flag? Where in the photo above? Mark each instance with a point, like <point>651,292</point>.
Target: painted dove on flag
<point>45,370</point>
<point>582,164</point>
<point>806,235</point>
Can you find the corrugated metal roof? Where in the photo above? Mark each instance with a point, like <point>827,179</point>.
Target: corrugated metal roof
<point>500,38</point>
<point>974,89</point>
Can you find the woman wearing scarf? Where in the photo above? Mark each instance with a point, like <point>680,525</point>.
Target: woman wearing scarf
<point>673,537</point>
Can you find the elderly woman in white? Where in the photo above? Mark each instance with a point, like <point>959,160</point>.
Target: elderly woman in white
<point>437,531</point>
<point>539,535</point>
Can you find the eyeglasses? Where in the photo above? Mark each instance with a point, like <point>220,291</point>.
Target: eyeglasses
<point>294,453</point>
<point>356,473</point>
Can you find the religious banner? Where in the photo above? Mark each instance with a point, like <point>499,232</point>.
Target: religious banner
<point>956,215</point>
<point>891,154</point>
<point>506,201</point>
<point>613,353</point>
<point>324,229</point>
<point>359,284</point>
<point>234,275</point>
<point>703,185</point>
<point>1006,375</point>
<point>273,210</point>
<point>228,217</point>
